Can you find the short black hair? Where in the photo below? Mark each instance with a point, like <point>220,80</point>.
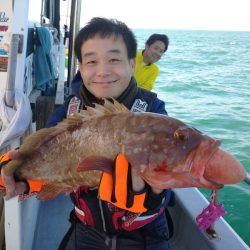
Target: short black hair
<point>105,28</point>
<point>158,37</point>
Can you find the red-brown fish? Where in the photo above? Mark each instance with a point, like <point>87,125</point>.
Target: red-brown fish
<point>165,152</point>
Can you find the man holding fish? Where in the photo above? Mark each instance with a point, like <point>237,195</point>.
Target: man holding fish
<point>117,165</point>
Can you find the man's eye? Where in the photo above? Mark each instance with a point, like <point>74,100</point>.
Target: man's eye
<point>114,60</point>
<point>90,62</point>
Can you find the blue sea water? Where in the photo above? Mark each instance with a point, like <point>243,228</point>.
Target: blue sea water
<point>205,81</point>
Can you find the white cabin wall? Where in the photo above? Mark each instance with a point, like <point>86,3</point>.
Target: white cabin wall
<point>35,11</point>
<point>5,27</point>
<point>21,217</point>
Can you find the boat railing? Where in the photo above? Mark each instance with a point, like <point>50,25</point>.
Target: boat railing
<point>11,73</point>
<point>247,179</point>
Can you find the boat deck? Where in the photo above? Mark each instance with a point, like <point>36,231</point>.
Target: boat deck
<point>48,222</point>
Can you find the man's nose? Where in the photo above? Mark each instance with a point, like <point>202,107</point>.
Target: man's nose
<point>103,69</point>
<point>159,53</point>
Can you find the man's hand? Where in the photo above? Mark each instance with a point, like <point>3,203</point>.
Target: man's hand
<point>13,188</point>
<point>138,183</point>
<point>127,190</point>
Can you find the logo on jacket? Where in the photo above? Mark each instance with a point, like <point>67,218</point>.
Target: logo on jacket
<point>74,105</point>
<point>139,106</point>
<point>3,17</point>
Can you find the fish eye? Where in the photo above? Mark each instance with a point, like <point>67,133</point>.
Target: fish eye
<point>181,134</point>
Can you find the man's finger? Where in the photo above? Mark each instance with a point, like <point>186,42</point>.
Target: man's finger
<point>156,190</point>
<point>12,188</point>
<point>137,182</point>
<point>20,188</point>
<point>14,155</point>
<point>8,181</point>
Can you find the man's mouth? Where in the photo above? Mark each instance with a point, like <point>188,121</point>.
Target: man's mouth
<point>105,82</point>
<point>156,58</point>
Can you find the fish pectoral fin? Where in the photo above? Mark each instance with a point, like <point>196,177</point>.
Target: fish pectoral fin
<point>52,189</point>
<point>96,163</point>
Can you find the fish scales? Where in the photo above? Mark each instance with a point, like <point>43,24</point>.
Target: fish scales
<point>164,151</point>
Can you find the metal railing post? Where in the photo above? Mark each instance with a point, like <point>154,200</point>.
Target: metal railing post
<point>74,28</point>
<point>11,76</point>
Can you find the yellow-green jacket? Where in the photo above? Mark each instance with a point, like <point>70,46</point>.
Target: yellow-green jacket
<point>145,75</point>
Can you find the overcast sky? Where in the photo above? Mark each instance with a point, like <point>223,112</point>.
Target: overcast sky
<point>172,14</point>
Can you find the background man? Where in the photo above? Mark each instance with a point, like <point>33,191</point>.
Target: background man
<point>146,71</point>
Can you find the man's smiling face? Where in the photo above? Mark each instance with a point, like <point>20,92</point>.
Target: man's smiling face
<point>105,69</point>
<point>154,51</point>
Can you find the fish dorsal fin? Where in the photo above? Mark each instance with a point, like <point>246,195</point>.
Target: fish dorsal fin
<point>32,141</point>
<point>71,122</point>
<point>36,139</point>
<point>109,107</point>
<point>114,106</point>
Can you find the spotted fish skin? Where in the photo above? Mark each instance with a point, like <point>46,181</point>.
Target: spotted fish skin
<point>165,152</point>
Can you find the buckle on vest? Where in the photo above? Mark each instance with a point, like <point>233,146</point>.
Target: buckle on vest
<point>79,211</point>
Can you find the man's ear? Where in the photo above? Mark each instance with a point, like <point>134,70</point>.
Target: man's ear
<point>80,67</point>
<point>132,63</point>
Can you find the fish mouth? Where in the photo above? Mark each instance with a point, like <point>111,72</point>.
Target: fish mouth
<point>198,159</point>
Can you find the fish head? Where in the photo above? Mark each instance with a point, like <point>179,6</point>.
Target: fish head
<point>164,143</point>
<point>178,155</point>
